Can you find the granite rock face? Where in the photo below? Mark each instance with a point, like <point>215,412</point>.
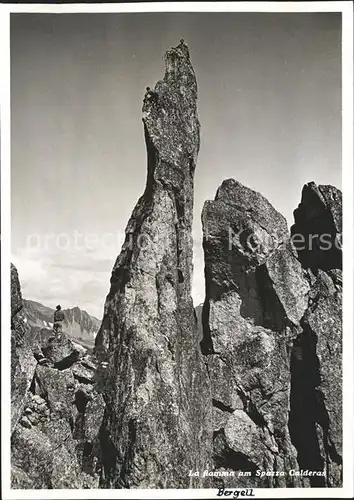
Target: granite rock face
<point>153,377</point>
<point>316,396</point>
<point>16,295</point>
<point>272,337</point>
<point>23,363</point>
<point>256,294</point>
<point>56,410</point>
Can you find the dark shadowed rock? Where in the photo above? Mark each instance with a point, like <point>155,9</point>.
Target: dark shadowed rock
<point>156,386</point>
<point>316,395</point>
<point>318,226</point>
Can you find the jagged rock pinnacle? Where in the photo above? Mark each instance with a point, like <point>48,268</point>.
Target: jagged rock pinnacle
<point>170,114</point>
<point>156,386</point>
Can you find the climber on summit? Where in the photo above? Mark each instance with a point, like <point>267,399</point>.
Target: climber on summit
<point>147,94</point>
<point>183,47</point>
<point>150,95</point>
<point>58,320</point>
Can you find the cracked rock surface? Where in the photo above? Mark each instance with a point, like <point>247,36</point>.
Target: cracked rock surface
<point>272,336</point>
<point>56,409</point>
<point>255,296</point>
<point>316,362</point>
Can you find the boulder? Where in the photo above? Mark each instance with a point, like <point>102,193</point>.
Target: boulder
<point>61,352</point>
<point>83,374</point>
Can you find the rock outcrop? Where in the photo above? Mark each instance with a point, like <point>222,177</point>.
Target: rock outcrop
<point>154,380</point>
<point>256,294</point>
<point>23,364</point>
<point>316,396</point>
<point>56,408</point>
<point>272,336</point>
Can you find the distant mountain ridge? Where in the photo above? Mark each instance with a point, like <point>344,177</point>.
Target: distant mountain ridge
<point>78,324</point>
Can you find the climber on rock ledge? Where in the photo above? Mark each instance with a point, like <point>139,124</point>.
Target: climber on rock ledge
<point>150,95</point>
<point>58,321</point>
<point>183,46</point>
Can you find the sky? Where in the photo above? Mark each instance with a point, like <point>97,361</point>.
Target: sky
<point>269,103</point>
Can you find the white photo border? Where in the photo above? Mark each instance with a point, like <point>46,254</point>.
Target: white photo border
<point>346,8</point>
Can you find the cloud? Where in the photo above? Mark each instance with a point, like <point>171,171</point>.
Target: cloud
<point>80,276</point>
<point>71,278</point>
<point>85,264</point>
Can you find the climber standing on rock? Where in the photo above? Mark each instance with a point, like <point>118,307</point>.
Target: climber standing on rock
<point>58,321</point>
<point>150,95</point>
